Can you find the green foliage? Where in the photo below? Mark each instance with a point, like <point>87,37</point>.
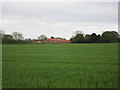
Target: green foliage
<point>7,36</point>
<point>95,38</point>
<point>17,36</point>
<point>79,38</point>
<point>42,37</point>
<point>106,37</point>
<point>60,66</point>
<point>52,37</point>
<point>110,36</point>
<point>12,41</point>
<point>88,38</point>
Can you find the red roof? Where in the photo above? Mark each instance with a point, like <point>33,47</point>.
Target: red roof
<point>58,40</point>
<point>54,39</point>
<point>38,41</point>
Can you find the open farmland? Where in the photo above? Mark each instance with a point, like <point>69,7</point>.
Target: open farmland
<point>60,66</point>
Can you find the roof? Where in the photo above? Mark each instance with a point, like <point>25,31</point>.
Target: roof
<point>54,39</point>
<point>38,41</point>
<point>58,40</point>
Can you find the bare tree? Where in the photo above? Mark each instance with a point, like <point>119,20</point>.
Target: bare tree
<point>2,33</point>
<point>17,36</point>
<point>20,36</point>
<point>77,32</point>
<point>42,37</point>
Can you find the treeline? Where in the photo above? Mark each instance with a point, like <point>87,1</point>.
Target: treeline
<point>14,38</point>
<point>13,41</point>
<point>106,37</point>
<point>78,37</point>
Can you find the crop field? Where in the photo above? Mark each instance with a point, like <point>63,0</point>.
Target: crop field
<point>60,66</point>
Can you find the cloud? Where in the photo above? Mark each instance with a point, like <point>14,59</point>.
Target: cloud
<point>58,19</point>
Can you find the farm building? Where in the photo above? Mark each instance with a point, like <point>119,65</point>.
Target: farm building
<point>38,42</point>
<point>54,41</point>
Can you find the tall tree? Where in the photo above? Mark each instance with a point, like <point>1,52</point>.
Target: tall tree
<point>42,37</point>
<point>2,33</point>
<point>52,37</point>
<point>17,36</point>
<point>94,38</point>
<point>98,38</point>
<point>87,38</point>
<point>110,37</point>
<point>8,37</point>
<point>77,32</point>
<point>79,38</point>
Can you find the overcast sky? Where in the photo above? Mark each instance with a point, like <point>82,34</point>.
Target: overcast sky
<point>59,19</point>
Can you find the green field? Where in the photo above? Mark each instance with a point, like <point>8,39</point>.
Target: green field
<point>60,66</point>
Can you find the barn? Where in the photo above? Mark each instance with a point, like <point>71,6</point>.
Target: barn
<point>56,41</point>
<point>38,42</point>
<point>53,41</point>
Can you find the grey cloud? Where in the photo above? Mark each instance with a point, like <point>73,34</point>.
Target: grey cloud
<point>58,19</point>
<point>74,12</point>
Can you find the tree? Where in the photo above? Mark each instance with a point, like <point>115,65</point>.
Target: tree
<point>77,32</point>
<point>7,36</point>
<point>28,41</point>
<point>87,38</point>
<point>42,37</point>
<point>71,39</point>
<point>52,37</point>
<point>20,36</point>
<point>110,37</point>
<point>119,39</point>
<point>98,38</point>
<point>17,36</point>
<point>79,38</point>
<point>94,38</point>
<point>2,33</point>
<point>60,38</point>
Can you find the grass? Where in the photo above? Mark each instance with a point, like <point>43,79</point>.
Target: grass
<point>60,66</point>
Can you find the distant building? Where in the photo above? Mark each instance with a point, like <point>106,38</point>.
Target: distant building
<point>38,42</point>
<point>54,41</point>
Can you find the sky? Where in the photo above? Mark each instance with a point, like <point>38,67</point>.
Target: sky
<point>59,19</point>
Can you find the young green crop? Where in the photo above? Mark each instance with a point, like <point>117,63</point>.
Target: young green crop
<point>60,66</point>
